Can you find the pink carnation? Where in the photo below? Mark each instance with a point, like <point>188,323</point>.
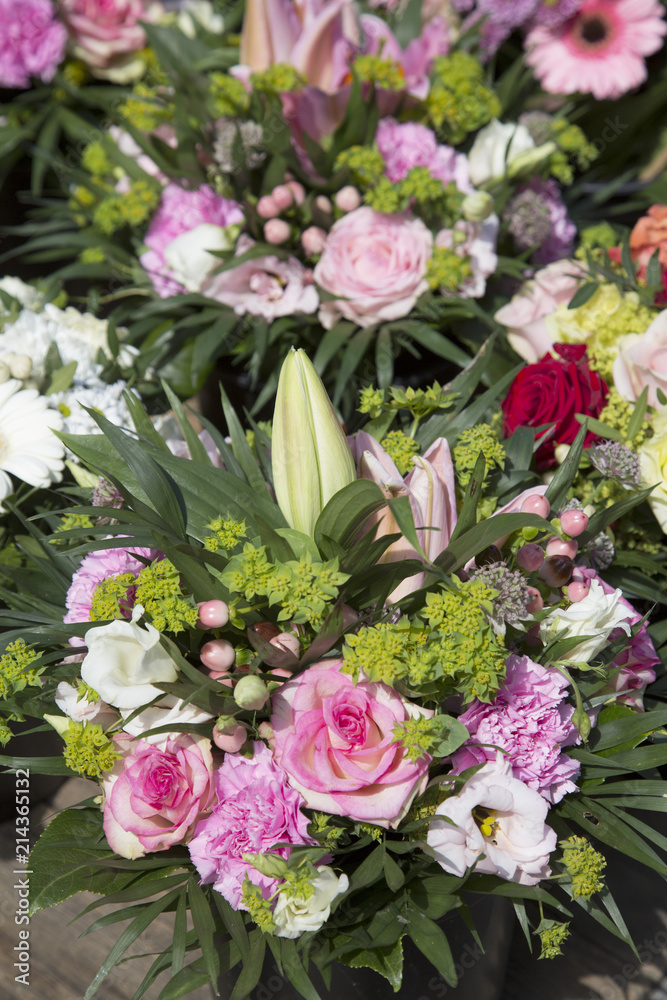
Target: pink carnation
<point>32,42</point>
<point>265,286</point>
<point>155,795</point>
<point>335,741</point>
<point>106,34</point>
<point>94,569</point>
<point>409,145</point>
<point>201,215</point>
<point>377,265</point>
<point>637,660</point>
<point>256,811</point>
<point>530,722</point>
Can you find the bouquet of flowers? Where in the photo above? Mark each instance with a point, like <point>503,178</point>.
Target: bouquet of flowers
<point>343,180</point>
<point>329,689</point>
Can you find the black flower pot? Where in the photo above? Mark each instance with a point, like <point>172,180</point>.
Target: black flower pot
<point>480,972</point>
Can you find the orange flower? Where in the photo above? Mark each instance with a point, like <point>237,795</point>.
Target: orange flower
<point>649,235</point>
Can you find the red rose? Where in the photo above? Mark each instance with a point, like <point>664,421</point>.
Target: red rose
<point>552,391</point>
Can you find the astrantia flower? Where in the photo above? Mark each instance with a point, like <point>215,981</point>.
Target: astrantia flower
<point>29,449</point>
<point>530,722</point>
<point>601,50</point>
<point>538,221</point>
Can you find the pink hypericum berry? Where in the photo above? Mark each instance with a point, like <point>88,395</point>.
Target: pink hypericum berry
<point>577,590</point>
<point>537,603</point>
<point>276,231</point>
<point>298,192</point>
<point>557,547</point>
<point>213,614</point>
<point>323,204</point>
<point>530,557</point>
<point>573,522</point>
<point>230,742</point>
<point>286,641</point>
<point>267,208</point>
<point>282,196</point>
<point>313,240</point>
<point>556,571</point>
<point>536,504</point>
<point>347,199</point>
<point>218,654</point>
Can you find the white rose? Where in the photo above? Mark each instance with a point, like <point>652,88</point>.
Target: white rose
<point>82,710</point>
<point>294,916</point>
<point>168,711</point>
<point>596,616</point>
<point>495,149</point>
<point>125,661</point>
<point>189,257</point>
<point>653,465</point>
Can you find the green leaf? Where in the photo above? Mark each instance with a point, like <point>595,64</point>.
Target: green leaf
<point>183,983</point>
<point>388,961</point>
<point>63,860</point>
<point>61,379</point>
<point>392,873</point>
<point>252,967</point>
<point>605,517</point>
<point>369,870</point>
<point>467,519</point>
<point>204,926</point>
<point>621,731</point>
<point>582,295</point>
<point>432,943</point>
<point>295,971</point>
<point>485,533</point>
<point>242,451</point>
<point>345,514</point>
<point>195,447</point>
<point>565,475</point>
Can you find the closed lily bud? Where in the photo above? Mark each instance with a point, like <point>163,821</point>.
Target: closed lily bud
<point>311,458</point>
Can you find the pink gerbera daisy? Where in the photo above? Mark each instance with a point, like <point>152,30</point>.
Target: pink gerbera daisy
<point>600,50</point>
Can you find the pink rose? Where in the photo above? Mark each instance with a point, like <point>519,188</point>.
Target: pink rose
<point>265,286</point>
<point>524,316</point>
<point>32,42</point>
<point>106,34</point>
<point>155,795</point>
<point>376,263</point>
<point>187,226</point>
<point>642,361</point>
<point>333,739</point>
<point>256,810</point>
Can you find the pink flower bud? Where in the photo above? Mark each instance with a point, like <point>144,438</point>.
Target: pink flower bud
<point>267,208</point>
<point>313,240</point>
<point>347,199</point>
<point>577,590</point>
<point>230,742</point>
<point>557,547</point>
<point>530,557</point>
<point>323,204</point>
<point>298,191</point>
<point>218,654</point>
<point>213,614</point>
<point>536,504</point>
<point>573,522</point>
<point>276,231</point>
<point>282,196</point>
<point>286,641</point>
<point>537,603</point>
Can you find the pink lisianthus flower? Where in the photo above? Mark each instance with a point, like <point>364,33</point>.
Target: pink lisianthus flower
<point>638,659</point>
<point>600,50</point>
<point>32,42</point>
<point>642,362</point>
<point>531,723</point>
<point>256,810</point>
<point>106,34</point>
<point>333,739</point>
<point>265,286</point>
<point>415,60</point>
<point>155,796</point>
<point>376,263</point>
<point>479,246</point>
<point>94,569</point>
<point>431,488</point>
<point>513,839</point>
<point>410,144</point>
<point>183,231</point>
<point>538,298</point>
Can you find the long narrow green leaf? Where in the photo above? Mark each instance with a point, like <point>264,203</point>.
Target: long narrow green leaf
<point>204,926</point>
<point>242,450</point>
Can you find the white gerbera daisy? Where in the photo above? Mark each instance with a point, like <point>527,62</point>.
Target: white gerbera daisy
<point>29,449</point>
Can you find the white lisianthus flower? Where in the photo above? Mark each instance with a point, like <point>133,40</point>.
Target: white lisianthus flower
<point>81,709</point>
<point>293,915</point>
<point>494,150</point>
<point>166,712</point>
<point>125,661</point>
<point>29,449</point>
<point>594,617</point>
<point>190,256</point>
<point>495,823</point>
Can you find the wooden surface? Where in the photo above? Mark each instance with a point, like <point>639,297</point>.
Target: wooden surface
<point>595,966</point>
